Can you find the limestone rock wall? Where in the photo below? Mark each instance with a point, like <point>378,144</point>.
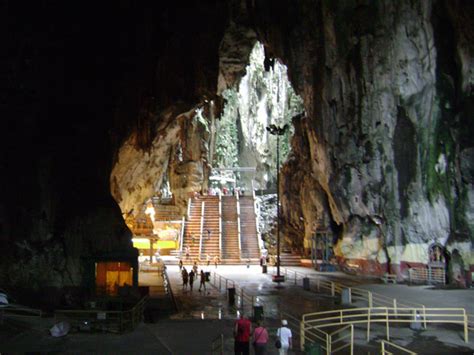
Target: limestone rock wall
<point>387,86</point>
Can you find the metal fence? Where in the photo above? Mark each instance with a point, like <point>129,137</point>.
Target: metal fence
<point>386,345</point>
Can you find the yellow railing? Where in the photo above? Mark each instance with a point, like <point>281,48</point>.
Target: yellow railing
<point>385,315</point>
<point>373,299</point>
<point>331,343</point>
<point>385,345</point>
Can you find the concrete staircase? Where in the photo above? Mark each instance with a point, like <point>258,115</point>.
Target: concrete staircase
<point>230,242</point>
<point>193,228</point>
<point>210,242</point>
<point>229,224</point>
<point>248,229</point>
<point>166,213</point>
<point>290,259</point>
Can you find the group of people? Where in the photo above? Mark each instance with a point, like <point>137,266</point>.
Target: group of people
<point>216,259</point>
<point>243,334</point>
<point>189,278</point>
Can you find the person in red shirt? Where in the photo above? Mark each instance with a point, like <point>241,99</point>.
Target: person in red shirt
<point>242,330</point>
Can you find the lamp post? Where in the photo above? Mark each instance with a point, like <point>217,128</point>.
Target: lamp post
<point>278,131</point>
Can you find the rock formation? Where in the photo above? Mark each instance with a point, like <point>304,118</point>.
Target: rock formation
<point>385,150</point>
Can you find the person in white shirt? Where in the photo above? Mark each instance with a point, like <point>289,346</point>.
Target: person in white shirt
<point>284,334</point>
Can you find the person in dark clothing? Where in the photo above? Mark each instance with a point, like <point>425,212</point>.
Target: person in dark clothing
<point>184,274</point>
<point>191,279</point>
<point>203,281</point>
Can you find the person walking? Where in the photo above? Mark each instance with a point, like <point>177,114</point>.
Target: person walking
<point>260,339</point>
<point>242,330</point>
<point>203,280</point>
<point>216,260</point>
<point>195,268</point>
<point>191,279</point>
<point>184,274</point>
<point>284,334</point>
<point>180,264</point>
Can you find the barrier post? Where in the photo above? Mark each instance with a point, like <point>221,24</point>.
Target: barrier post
<point>370,299</point>
<point>328,344</point>
<point>350,295</point>
<point>242,298</point>
<point>226,287</point>
<point>383,347</point>
<point>368,324</point>
<point>302,339</point>
<point>386,319</point>
<point>333,289</point>
<point>395,306</point>
<point>352,339</point>
<point>424,317</point>
<point>466,334</point>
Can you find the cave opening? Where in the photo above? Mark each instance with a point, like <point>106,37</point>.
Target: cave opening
<point>142,114</point>
<point>210,152</point>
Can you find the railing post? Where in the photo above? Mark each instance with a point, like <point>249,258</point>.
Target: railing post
<point>386,319</point>
<point>203,206</point>
<point>424,317</point>
<point>350,295</point>
<point>383,347</point>
<point>302,335</point>
<point>368,324</point>
<point>181,237</point>
<point>466,333</point>
<point>395,306</point>
<point>328,344</point>
<point>352,339</point>
<point>295,278</point>
<point>239,235</point>
<point>220,224</point>
<point>340,316</point>
<point>333,289</point>
<point>242,299</point>
<point>370,300</point>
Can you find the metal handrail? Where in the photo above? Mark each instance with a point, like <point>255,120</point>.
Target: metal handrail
<point>120,319</point>
<point>385,343</point>
<point>220,224</point>
<point>239,236</point>
<point>168,289</point>
<point>256,209</point>
<point>386,315</point>
<point>20,311</point>
<point>373,299</point>
<point>216,284</point>
<point>217,345</point>
<point>203,207</point>
<point>181,237</point>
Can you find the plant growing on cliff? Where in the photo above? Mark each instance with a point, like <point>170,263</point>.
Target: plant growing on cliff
<point>263,98</point>
<point>226,140</point>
